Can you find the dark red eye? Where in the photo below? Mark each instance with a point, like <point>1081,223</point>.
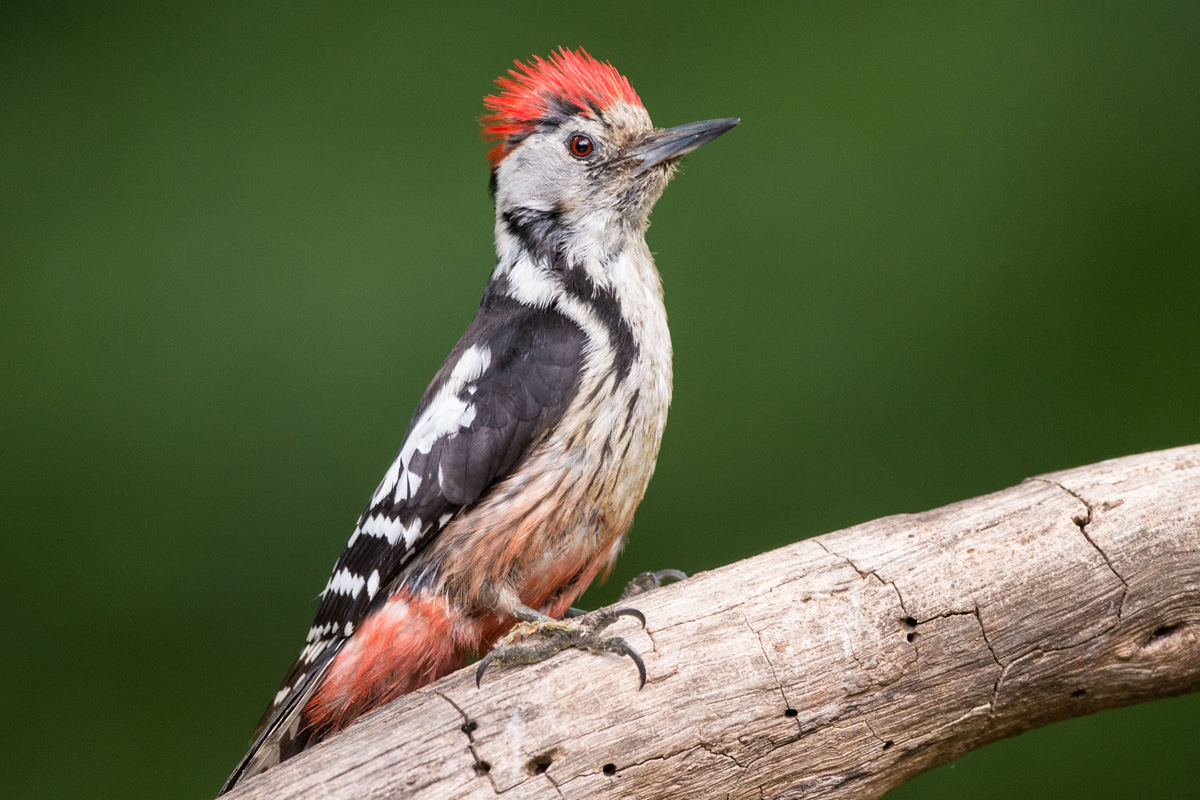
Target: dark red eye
<point>580,146</point>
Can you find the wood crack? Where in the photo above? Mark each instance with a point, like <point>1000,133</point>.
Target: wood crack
<point>482,767</point>
<point>774,675</point>
<point>1082,522</point>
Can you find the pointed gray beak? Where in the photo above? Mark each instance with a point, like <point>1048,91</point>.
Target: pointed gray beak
<point>675,142</point>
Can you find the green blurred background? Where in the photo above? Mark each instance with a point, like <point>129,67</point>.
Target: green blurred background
<point>951,246</point>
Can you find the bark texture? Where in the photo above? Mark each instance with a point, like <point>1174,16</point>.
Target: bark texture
<point>836,667</point>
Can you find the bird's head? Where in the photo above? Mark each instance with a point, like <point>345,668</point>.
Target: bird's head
<point>573,141</point>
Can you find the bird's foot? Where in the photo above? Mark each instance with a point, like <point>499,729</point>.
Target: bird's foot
<point>651,580</point>
<point>639,585</point>
<point>535,641</point>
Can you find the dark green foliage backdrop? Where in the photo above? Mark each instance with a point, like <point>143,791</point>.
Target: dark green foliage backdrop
<point>952,245</point>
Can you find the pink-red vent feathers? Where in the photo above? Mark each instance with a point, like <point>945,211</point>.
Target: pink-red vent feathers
<point>526,96</point>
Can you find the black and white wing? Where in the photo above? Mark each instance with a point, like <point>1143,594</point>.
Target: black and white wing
<point>507,381</point>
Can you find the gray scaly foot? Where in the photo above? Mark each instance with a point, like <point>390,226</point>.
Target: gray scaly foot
<point>535,641</point>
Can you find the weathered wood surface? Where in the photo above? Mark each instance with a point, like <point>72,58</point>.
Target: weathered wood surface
<point>836,667</point>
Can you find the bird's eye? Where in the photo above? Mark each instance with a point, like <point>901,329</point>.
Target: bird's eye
<point>580,146</point>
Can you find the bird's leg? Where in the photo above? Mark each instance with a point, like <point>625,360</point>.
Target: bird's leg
<point>537,637</point>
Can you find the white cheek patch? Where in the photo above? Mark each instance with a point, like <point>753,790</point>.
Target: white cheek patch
<point>531,284</point>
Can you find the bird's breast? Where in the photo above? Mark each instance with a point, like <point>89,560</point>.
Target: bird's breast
<point>561,515</point>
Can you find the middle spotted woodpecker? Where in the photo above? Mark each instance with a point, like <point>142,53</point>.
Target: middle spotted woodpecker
<point>519,474</point>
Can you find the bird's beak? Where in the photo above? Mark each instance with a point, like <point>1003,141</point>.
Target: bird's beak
<point>675,142</point>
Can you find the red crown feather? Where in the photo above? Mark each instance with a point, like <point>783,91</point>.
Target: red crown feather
<point>524,98</point>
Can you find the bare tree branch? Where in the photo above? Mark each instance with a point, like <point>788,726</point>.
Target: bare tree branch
<point>836,667</point>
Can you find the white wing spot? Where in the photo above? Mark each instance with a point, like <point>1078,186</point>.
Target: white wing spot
<point>413,480</point>
<point>320,631</point>
<point>388,484</point>
<point>412,532</point>
<point>474,362</point>
<point>311,651</point>
<point>373,584</point>
<point>346,582</point>
<point>446,414</point>
<point>383,527</point>
<point>282,694</point>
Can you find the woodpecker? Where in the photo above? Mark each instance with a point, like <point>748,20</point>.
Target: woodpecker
<point>520,471</point>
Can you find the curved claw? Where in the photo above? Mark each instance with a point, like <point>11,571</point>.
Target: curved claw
<point>630,612</point>
<point>483,665</point>
<point>669,574</point>
<point>622,647</point>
